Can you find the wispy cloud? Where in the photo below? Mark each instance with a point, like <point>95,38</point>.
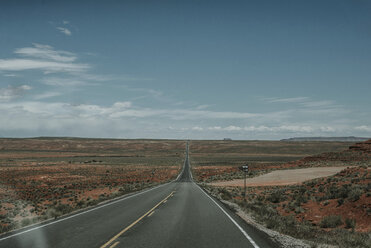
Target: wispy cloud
<point>88,76</point>
<point>287,100</point>
<point>262,129</point>
<point>46,52</point>
<point>302,101</point>
<point>147,91</point>
<point>10,93</point>
<point>64,82</point>
<point>364,128</point>
<point>308,106</point>
<point>65,31</point>
<point>63,26</point>
<point>46,66</point>
<point>283,128</point>
<point>185,114</point>
<point>9,75</point>
<point>204,106</point>
<point>46,95</point>
<point>314,104</point>
<point>43,57</point>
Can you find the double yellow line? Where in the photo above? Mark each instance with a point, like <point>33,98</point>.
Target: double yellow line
<point>150,212</point>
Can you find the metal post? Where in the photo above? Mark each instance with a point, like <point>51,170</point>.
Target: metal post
<point>244,194</point>
<point>245,169</point>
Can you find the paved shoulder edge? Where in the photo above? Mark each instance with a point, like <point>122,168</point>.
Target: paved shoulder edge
<point>234,222</point>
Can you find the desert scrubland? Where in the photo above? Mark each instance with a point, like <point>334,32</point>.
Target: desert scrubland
<point>43,178</point>
<point>331,209</point>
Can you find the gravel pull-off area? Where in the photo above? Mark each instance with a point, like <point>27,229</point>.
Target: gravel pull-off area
<point>283,177</point>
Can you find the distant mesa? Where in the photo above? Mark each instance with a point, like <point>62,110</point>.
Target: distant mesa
<point>338,139</point>
<point>227,139</point>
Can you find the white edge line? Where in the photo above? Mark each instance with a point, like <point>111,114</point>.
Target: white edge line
<point>234,222</point>
<point>84,212</point>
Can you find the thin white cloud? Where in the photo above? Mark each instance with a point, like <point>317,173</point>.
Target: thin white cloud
<point>314,104</point>
<point>40,51</point>
<point>95,77</point>
<point>184,114</point>
<point>204,106</point>
<point>10,93</point>
<point>304,102</point>
<point>364,128</point>
<point>65,31</point>
<point>304,107</point>
<point>216,128</point>
<point>45,58</point>
<point>287,100</point>
<point>46,95</point>
<point>282,128</point>
<point>46,66</point>
<point>105,78</point>
<point>64,82</point>
<point>148,92</point>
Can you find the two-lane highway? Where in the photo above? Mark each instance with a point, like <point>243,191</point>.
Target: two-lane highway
<point>176,214</point>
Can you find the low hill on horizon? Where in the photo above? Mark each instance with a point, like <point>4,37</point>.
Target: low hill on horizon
<point>338,139</point>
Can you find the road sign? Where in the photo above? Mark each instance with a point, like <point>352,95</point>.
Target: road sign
<point>244,168</point>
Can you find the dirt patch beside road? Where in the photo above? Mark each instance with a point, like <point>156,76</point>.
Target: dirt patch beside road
<point>283,177</point>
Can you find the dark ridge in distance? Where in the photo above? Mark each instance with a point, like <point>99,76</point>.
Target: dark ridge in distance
<point>338,139</point>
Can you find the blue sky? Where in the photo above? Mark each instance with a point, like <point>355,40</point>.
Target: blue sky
<point>185,69</point>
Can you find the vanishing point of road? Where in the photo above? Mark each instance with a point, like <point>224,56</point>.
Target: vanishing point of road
<point>177,214</point>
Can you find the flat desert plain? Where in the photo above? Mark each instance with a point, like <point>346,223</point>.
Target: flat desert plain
<point>219,160</point>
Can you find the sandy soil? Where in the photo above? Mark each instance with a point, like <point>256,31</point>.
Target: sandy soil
<point>283,177</point>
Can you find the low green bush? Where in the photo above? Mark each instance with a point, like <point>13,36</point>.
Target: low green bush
<point>277,196</point>
<point>355,194</point>
<point>26,222</point>
<point>350,223</point>
<point>331,221</point>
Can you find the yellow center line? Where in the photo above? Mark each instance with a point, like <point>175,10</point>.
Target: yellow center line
<point>151,213</point>
<point>114,245</point>
<point>135,222</point>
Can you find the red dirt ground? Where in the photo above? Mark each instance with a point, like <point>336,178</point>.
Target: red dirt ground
<point>360,210</point>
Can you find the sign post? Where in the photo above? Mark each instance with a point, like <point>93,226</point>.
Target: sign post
<point>245,169</point>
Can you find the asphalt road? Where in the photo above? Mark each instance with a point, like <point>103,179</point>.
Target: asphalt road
<point>176,214</point>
